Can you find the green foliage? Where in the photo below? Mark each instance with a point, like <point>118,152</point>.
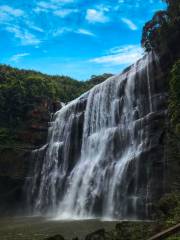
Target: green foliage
<point>5,135</point>
<point>21,91</point>
<point>168,212</point>
<point>96,79</point>
<point>133,231</point>
<point>151,31</point>
<point>174,105</point>
<point>168,209</point>
<point>174,238</point>
<point>173,149</point>
<point>162,33</point>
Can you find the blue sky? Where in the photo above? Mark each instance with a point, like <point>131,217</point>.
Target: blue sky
<point>78,38</point>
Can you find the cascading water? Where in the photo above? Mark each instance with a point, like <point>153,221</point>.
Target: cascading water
<point>103,148</point>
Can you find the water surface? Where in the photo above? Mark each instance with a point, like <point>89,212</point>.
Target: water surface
<point>36,228</point>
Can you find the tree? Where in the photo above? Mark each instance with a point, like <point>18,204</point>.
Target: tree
<point>162,33</point>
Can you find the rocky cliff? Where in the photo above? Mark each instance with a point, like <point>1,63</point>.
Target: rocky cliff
<point>15,159</point>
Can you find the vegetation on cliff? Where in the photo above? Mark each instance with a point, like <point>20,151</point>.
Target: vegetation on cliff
<point>174,103</point>
<point>27,98</point>
<point>173,161</point>
<point>162,33</point>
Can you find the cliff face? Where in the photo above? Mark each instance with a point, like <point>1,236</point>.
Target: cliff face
<point>15,159</point>
<point>13,170</point>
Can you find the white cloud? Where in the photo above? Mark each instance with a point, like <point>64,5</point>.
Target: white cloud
<point>93,16</point>
<point>39,9</point>
<point>64,30</point>
<point>17,57</point>
<point>5,9</point>
<point>103,8</point>
<point>38,29</point>
<point>32,26</point>
<point>25,36</point>
<point>46,6</point>
<point>130,24</point>
<point>65,12</point>
<point>85,32</point>
<point>63,1</point>
<point>8,14</point>
<point>120,55</point>
<point>13,19</point>
<point>61,31</point>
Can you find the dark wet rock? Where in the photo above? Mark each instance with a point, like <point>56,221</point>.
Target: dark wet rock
<point>97,235</point>
<point>56,237</point>
<point>15,160</point>
<point>14,166</point>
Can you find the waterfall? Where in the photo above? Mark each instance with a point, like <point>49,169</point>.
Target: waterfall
<point>103,150</point>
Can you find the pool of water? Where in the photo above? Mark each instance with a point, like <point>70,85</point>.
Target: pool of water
<point>36,228</point>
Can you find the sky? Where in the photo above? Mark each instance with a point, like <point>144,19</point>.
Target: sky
<point>78,38</point>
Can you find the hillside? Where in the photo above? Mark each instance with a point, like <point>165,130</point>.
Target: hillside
<point>27,99</point>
